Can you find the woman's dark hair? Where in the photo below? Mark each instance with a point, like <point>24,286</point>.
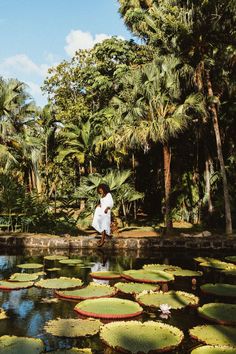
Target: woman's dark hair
<point>104,187</point>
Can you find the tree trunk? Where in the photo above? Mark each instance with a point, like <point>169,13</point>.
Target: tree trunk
<point>214,113</point>
<point>208,164</point>
<point>167,182</point>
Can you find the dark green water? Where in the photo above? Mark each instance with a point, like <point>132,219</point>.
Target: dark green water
<point>27,314</point>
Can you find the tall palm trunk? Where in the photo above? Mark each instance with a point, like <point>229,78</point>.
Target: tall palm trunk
<point>214,114</point>
<point>167,183</point>
<point>208,164</point>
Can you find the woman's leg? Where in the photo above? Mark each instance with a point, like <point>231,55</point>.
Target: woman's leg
<point>103,239</point>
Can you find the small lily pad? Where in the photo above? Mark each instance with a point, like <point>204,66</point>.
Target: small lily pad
<point>137,337</point>
<point>73,328</point>
<point>23,277</point>
<point>231,259</point>
<point>219,313</point>
<point>213,263</point>
<point>55,258</point>
<point>10,285</point>
<point>71,351</point>
<point>71,262</point>
<point>143,276</point>
<point>30,266</point>
<point>219,289</point>
<point>3,314</point>
<point>210,349</point>
<point>59,283</point>
<point>175,299</point>
<point>109,308</point>
<point>230,272</point>
<point>92,291</point>
<point>107,275</point>
<point>135,288</point>
<point>184,272</point>
<point>20,345</point>
<point>214,335</point>
<point>55,269</point>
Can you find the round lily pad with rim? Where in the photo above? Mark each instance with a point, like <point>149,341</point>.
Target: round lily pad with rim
<point>55,258</point>
<point>219,289</point>
<point>71,351</point>
<point>106,275</point>
<point>59,283</point>
<point>30,266</point>
<point>92,291</point>
<point>72,328</point>
<point>229,272</point>
<point>55,269</point>
<point>15,285</point>
<point>214,335</point>
<point>175,299</point>
<point>71,261</point>
<point>219,312</point>
<point>143,276</point>
<point>160,267</point>
<point>19,277</point>
<point>135,288</point>
<point>137,337</point>
<point>212,349</point>
<point>231,259</point>
<point>109,308</point>
<point>20,345</point>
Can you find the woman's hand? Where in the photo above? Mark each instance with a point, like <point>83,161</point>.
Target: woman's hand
<point>106,210</point>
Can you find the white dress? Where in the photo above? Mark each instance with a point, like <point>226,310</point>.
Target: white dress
<point>101,220</point>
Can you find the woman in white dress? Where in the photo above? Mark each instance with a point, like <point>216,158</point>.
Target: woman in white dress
<point>102,215</point>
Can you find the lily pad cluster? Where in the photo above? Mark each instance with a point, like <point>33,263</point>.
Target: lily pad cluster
<point>214,263</point>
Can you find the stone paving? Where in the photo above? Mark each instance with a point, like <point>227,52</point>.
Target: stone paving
<point>138,241</point>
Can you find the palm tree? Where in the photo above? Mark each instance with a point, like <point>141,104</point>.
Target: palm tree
<point>156,111</point>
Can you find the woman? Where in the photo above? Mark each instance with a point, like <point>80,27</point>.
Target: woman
<point>102,215</point>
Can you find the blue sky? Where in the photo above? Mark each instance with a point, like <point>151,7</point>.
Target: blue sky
<point>38,34</point>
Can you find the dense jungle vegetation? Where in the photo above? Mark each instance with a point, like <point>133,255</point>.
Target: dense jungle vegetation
<point>154,118</point>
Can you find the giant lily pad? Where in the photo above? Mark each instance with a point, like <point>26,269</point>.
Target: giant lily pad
<point>175,299</point>
<point>210,349</point>
<point>160,267</point>
<point>55,258</point>
<point>175,270</point>
<point>109,308</point>
<point>71,262</point>
<point>10,285</point>
<point>20,345</point>
<point>23,277</point>
<point>106,275</point>
<point>135,288</point>
<point>92,291</point>
<point>213,263</point>
<point>214,335</point>
<point>230,272</point>
<point>59,283</point>
<point>231,259</point>
<point>143,276</point>
<point>219,312</point>
<point>137,337</point>
<point>73,327</point>
<point>30,266</point>
<point>72,351</point>
<point>219,289</point>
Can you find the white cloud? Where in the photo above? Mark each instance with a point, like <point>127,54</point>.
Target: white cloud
<point>78,39</point>
<point>22,64</point>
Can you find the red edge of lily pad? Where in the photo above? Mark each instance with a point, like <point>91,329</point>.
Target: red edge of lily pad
<point>140,280</point>
<point>71,297</point>
<point>108,277</point>
<point>96,315</point>
<point>222,322</point>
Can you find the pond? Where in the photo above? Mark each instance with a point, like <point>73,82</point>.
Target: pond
<point>28,310</point>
